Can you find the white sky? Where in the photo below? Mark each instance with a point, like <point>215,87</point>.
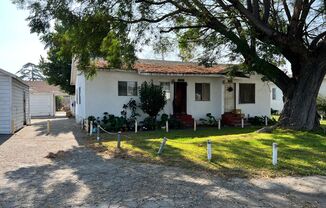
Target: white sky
<point>17,45</point>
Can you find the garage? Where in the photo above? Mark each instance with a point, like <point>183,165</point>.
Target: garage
<point>43,98</point>
<point>42,104</point>
<point>14,103</point>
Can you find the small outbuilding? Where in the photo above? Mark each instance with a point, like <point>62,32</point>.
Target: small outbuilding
<point>14,103</point>
<point>43,98</point>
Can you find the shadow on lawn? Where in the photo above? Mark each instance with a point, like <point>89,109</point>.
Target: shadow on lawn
<point>240,158</point>
<point>80,177</point>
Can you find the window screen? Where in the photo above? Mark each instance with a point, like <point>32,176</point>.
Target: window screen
<point>246,93</point>
<point>127,88</point>
<point>202,91</point>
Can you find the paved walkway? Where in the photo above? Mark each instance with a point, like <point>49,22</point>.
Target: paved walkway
<point>81,178</point>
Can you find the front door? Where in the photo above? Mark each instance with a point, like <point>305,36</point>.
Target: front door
<point>180,98</point>
<point>229,97</point>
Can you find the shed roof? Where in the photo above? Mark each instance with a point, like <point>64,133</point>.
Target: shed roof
<point>12,76</point>
<point>44,87</point>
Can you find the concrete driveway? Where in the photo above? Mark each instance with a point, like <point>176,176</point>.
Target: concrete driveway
<point>81,178</point>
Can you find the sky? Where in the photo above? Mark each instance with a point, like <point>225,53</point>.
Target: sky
<point>17,45</point>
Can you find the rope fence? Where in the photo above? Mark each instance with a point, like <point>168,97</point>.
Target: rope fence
<point>89,125</point>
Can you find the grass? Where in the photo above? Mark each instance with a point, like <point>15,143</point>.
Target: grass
<point>236,152</point>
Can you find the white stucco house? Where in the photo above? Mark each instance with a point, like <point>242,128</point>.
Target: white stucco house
<point>276,98</point>
<point>190,89</point>
<point>14,103</point>
<point>42,98</point>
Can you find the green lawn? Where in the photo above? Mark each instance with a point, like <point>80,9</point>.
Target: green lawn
<point>236,151</point>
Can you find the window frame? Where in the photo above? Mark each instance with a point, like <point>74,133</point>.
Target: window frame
<point>166,92</point>
<point>135,89</point>
<point>202,92</point>
<point>274,93</point>
<point>254,93</point>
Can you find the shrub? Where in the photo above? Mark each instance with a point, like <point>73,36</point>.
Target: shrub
<point>152,99</point>
<point>274,112</point>
<point>175,123</point>
<point>115,123</point>
<point>164,118</point>
<point>260,121</point>
<point>131,106</point>
<point>58,103</point>
<point>210,121</point>
<point>149,123</point>
<point>321,105</point>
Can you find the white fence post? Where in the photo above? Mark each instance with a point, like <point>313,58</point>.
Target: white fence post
<point>219,124</point>
<point>167,126</point>
<point>91,128</point>
<point>209,150</point>
<point>48,127</point>
<point>242,123</point>
<point>136,126</point>
<point>162,146</point>
<point>195,125</point>
<point>119,140</point>
<point>98,132</point>
<point>266,121</point>
<point>274,154</point>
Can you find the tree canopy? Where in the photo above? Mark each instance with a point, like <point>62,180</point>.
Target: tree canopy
<point>259,34</point>
<point>30,72</point>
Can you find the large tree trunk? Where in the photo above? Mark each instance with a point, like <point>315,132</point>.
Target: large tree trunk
<point>300,112</point>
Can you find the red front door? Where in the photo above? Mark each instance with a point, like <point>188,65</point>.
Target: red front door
<point>180,98</point>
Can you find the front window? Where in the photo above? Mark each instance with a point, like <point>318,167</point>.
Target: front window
<point>246,93</point>
<point>127,88</point>
<point>166,89</point>
<point>274,93</point>
<point>202,91</point>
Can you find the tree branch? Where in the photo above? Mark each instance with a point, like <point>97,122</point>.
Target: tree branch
<point>315,41</point>
<point>287,11</point>
<point>182,27</point>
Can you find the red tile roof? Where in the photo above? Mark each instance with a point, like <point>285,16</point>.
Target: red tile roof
<point>170,67</point>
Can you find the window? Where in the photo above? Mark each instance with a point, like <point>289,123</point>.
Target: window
<point>274,93</point>
<point>246,93</point>
<point>127,88</point>
<point>79,96</point>
<point>166,88</point>
<point>202,91</point>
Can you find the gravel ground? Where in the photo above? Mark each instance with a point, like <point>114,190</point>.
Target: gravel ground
<point>79,177</point>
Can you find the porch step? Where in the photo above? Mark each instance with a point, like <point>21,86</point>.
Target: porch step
<point>185,119</point>
<point>233,119</point>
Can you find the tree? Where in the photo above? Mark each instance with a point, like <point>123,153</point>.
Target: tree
<point>260,34</point>
<point>152,99</point>
<point>57,66</point>
<point>30,72</point>
<point>163,46</point>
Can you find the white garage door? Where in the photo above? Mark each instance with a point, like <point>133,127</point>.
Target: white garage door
<point>41,104</point>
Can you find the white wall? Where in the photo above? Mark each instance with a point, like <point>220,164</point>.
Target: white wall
<point>80,107</point>
<point>5,103</point>
<point>276,104</point>
<point>262,105</point>
<point>322,90</point>
<point>19,90</point>
<point>42,104</point>
<point>102,94</point>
